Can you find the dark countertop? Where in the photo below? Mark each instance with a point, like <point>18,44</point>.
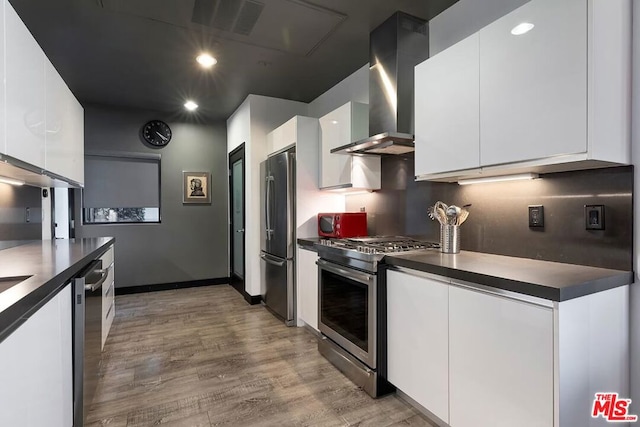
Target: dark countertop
<point>544,279</point>
<point>308,242</point>
<point>51,263</point>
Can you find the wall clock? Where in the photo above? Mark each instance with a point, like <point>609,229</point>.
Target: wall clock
<point>156,133</point>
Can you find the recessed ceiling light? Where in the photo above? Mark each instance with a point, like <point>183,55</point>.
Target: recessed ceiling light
<point>521,29</point>
<point>190,105</point>
<point>334,122</point>
<point>206,60</point>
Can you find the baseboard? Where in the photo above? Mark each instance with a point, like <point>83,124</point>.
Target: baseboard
<point>252,299</point>
<point>168,286</point>
<point>429,416</point>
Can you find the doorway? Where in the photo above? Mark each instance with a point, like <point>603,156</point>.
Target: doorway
<point>63,209</point>
<point>237,216</point>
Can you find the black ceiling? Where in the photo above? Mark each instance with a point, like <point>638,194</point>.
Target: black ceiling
<point>140,53</point>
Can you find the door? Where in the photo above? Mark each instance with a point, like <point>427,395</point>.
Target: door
<point>236,204</point>
<point>418,339</point>
<point>278,278</point>
<point>281,204</point>
<point>500,356</point>
<point>533,86</point>
<point>347,311</point>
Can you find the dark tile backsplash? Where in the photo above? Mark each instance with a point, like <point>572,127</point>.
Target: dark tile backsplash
<point>13,219</point>
<point>498,222</point>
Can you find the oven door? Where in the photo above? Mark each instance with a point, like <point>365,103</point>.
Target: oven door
<point>347,309</point>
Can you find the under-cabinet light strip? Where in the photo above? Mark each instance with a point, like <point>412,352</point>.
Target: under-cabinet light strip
<point>517,177</point>
<point>11,181</point>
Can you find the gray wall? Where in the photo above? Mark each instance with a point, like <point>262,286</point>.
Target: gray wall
<point>191,241</point>
<point>13,203</point>
<point>498,222</point>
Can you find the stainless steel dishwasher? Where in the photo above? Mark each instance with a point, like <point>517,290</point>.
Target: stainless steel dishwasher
<point>87,336</point>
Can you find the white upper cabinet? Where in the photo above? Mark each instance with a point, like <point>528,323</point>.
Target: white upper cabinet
<point>283,136</point>
<point>533,87</point>
<point>64,128</point>
<point>25,92</point>
<point>346,124</point>
<point>44,123</point>
<point>554,98</point>
<point>447,112</point>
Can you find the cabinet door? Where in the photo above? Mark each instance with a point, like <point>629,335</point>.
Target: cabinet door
<point>447,126</point>
<point>500,361</point>
<point>36,368</point>
<point>417,340</point>
<point>307,283</point>
<point>533,87</point>
<point>60,149</point>
<point>335,130</point>
<point>25,92</point>
<point>282,137</point>
<point>76,134</point>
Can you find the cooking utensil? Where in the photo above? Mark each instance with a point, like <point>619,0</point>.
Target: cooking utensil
<point>452,214</point>
<point>438,212</point>
<point>430,211</point>
<point>464,213</point>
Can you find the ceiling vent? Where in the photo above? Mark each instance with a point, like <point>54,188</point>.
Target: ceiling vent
<point>296,27</point>
<point>235,16</point>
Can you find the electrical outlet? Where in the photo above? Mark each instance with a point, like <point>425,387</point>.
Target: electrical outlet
<point>536,216</point>
<point>594,217</point>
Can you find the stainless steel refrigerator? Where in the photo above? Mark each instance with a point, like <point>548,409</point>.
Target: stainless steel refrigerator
<point>277,232</point>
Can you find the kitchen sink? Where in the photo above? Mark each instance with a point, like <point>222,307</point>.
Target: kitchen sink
<point>8,282</point>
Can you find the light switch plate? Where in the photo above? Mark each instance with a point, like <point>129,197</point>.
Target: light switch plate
<point>536,216</point>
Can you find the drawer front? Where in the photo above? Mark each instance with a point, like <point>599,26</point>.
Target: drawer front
<point>107,300</point>
<point>109,281</point>
<point>107,258</point>
<point>107,321</point>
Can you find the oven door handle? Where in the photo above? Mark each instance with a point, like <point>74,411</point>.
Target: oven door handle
<point>351,274</point>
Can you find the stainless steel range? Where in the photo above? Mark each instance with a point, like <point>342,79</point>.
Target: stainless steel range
<point>351,306</point>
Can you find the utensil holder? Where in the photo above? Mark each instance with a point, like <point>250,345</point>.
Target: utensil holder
<point>450,239</point>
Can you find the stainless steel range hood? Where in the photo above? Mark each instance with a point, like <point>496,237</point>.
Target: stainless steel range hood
<point>395,48</point>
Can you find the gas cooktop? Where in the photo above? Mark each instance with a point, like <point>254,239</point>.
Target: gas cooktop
<point>366,252</point>
<point>378,244</point>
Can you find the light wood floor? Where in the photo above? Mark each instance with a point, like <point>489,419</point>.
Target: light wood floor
<point>204,357</point>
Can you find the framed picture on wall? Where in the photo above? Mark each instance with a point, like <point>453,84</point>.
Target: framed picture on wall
<point>196,187</point>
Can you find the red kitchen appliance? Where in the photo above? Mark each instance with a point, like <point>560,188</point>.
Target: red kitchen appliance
<point>342,225</point>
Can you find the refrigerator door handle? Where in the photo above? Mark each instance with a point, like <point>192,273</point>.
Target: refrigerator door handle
<point>267,206</point>
<point>271,261</point>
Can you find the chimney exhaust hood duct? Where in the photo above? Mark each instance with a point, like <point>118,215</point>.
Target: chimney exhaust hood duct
<point>395,48</point>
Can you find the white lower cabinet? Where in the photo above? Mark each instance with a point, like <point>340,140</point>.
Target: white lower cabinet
<point>500,361</point>
<point>307,283</point>
<point>417,339</point>
<point>36,387</point>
